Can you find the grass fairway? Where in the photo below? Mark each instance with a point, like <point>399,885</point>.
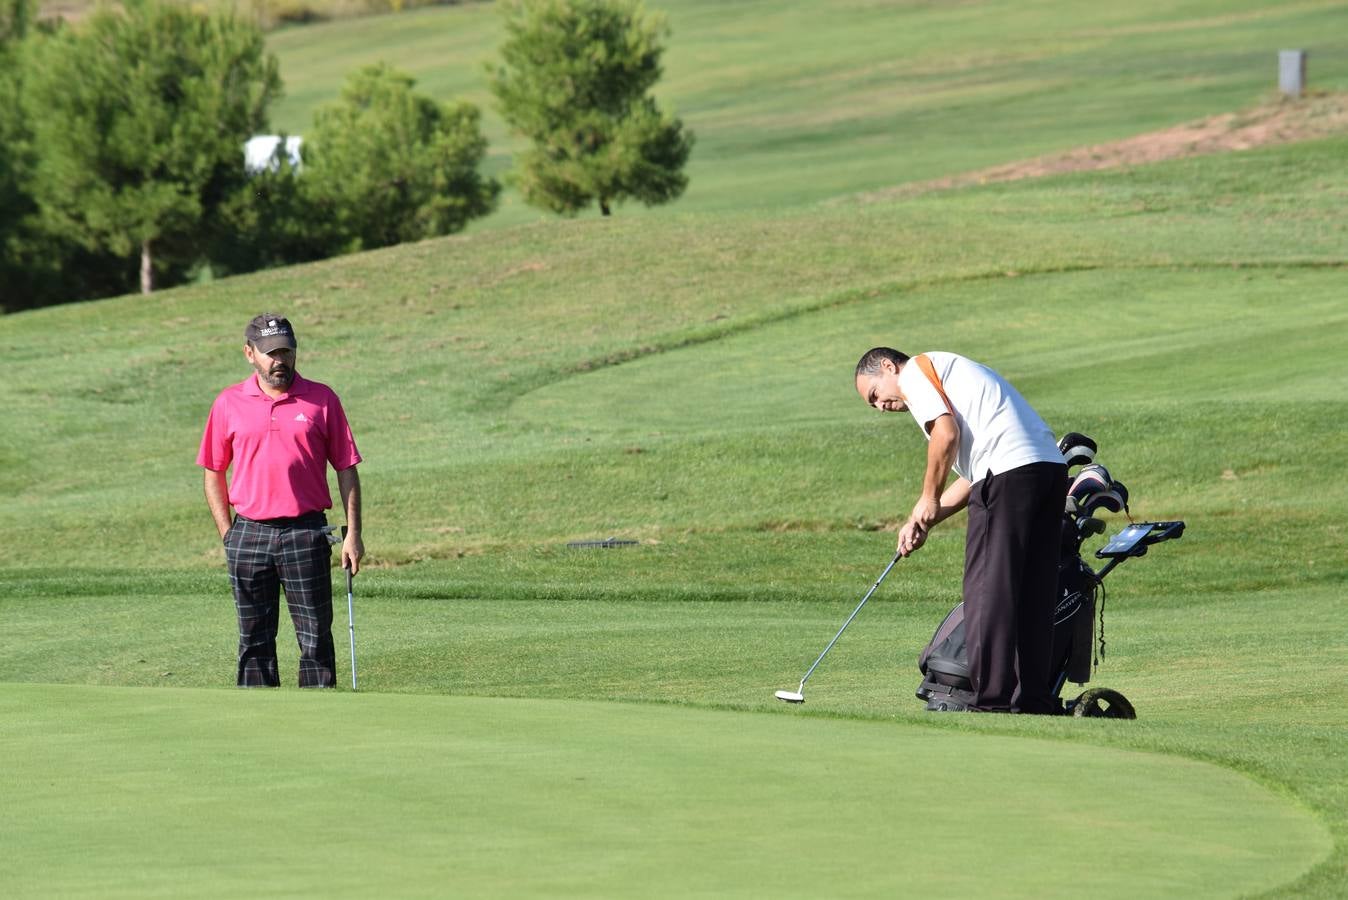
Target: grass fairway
<point>682,378</point>
<point>352,796</point>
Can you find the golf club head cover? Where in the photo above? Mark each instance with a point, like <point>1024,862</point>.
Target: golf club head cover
<point>1109,500</point>
<point>1123,494</point>
<point>1089,525</point>
<point>1094,489</point>
<point>1077,449</point>
<point>1092,479</point>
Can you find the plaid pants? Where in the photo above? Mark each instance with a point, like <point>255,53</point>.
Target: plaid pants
<point>263,557</point>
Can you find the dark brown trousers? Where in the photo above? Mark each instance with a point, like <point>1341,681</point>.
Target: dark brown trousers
<point>1010,585</point>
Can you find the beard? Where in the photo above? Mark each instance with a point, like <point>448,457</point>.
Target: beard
<point>277,376</point>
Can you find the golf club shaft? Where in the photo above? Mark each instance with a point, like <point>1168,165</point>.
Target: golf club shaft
<point>351,624</point>
<point>896,558</point>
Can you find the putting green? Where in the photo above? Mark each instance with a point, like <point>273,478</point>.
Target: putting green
<point>222,792</point>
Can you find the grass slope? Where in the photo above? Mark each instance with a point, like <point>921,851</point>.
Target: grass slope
<point>798,101</point>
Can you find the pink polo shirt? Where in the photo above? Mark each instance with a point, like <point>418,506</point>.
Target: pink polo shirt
<point>280,448</point>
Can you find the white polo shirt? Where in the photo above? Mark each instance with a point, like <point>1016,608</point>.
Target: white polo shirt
<point>999,431</point>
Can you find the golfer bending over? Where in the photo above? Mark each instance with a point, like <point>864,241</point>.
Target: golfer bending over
<point>280,432</point>
<point>1013,480</point>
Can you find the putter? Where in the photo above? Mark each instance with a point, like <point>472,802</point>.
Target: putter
<point>335,535</point>
<point>351,623</point>
<point>798,695</point>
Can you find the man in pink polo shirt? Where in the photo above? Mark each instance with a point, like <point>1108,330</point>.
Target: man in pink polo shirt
<point>280,432</point>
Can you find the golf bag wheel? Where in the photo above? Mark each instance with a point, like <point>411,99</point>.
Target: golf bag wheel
<point>1102,703</point>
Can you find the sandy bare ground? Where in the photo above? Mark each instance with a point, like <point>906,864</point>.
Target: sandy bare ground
<point>1279,122</point>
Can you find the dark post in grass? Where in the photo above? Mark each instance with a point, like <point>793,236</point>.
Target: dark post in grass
<point>1291,72</point>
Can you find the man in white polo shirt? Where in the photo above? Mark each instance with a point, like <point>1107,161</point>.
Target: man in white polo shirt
<point>1013,480</point>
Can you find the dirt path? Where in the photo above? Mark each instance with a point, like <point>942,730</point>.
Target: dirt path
<point>1280,122</point>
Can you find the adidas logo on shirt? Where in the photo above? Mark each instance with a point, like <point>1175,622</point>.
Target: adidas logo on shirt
<point>301,418</point>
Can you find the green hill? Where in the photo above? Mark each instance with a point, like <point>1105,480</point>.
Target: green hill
<point>799,101</point>
<point>682,377</point>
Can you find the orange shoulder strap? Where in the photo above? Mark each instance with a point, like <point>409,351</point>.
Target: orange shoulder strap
<point>930,371</point>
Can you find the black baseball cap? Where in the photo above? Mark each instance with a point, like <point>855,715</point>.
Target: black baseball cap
<point>269,332</point>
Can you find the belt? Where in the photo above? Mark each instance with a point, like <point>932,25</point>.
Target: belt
<point>308,520</point>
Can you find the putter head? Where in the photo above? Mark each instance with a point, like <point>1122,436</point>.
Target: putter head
<point>790,696</point>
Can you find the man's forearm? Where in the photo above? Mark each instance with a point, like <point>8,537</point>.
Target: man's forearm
<point>348,483</point>
<point>941,451</point>
<point>940,457</point>
<point>217,499</point>
<point>353,547</point>
<point>955,498</point>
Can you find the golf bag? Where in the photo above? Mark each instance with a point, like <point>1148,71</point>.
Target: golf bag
<point>944,662</point>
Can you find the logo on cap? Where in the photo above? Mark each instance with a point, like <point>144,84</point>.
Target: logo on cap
<point>269,331</point>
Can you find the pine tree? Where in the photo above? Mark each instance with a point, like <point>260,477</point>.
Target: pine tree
<point>141,113</point>
<point>575,81</point>
<point>388,165</point>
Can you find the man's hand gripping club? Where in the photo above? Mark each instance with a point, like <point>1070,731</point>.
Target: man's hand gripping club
<point>935,505</point>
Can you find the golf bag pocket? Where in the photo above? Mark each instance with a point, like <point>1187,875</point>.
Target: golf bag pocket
<point>1074,621</point>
